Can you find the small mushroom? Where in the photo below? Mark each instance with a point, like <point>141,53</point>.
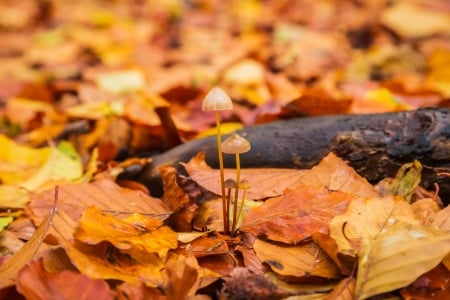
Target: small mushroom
<point>235,144</point>
<point>244,185</point>
<point>216,100</point>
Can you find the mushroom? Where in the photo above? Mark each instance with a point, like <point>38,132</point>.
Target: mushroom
<point>217,100</point>
<point>235,144</point>
<point>244,185</point>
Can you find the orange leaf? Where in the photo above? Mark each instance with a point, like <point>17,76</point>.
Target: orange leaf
<point>264,183</point>
<point>150,236</point>
<point>105,194</point>
<point>34,282</point>
<point>344,290</point>
<point>296,261</point>
<point>296,215</point>
<point>332,173</point>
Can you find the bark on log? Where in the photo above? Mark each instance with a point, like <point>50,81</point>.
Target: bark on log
<point>375,145</point>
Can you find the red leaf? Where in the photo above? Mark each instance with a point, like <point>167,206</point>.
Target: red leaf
<point>34,282</point>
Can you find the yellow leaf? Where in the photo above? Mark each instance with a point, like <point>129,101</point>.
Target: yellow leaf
<point>225,128</point>
<point>96,110</point>
<point>18,162</point>
<point>63,163</point>
<point>121,81</point>
<point>297,261</point>
<point>364,218</point>
<point>150,237</point>
<point>13,197</point>
<point>412,21</point>
<point>397,257</point>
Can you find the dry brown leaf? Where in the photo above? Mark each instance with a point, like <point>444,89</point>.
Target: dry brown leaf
<point>36,283</point>
<point>365,218</point>
<point>140,291</point>
<point>104,194</point>
<point>296,261</point>
<point>442,219</point>
<point>296,215</point>
<point>10,269</point>
<point>265,183</point>
<point>345,290</point>
<point>397,256</point>
<point>183,274</point>
<point>204,246</point>
<point>177,200</point>
<point>332,173</point>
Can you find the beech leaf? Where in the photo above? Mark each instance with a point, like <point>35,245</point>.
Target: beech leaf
<point>397,256</point>
<point>296,261</point>
<point>149,236</point>
<point>36,283</point>
<point>365,218</point>
<point>296,215</point>
<point>343,291</point>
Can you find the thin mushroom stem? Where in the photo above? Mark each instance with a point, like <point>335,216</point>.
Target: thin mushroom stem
<point>225,210</point>
<point>241,207</point>
<point>236,193</point>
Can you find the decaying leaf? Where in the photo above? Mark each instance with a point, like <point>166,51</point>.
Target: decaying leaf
<point>35,282</point>
<point>366,218</point>
<point>405,182</point>
<point>296,261</point>
<point>397,256</point>
<point>296,215</point>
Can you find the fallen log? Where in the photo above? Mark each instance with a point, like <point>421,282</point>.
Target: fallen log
<point>375,145</point>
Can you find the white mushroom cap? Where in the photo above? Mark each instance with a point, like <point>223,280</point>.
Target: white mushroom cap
<point>217,99</point>
<point>235,144</point>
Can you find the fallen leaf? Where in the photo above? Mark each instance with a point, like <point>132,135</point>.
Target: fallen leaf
<point>425,210</point>
<point>118,82</point>
<point>294,262</point>
<point>332,173</point>
<point>412,20</point>
<point>264,183</point>
<point>398,256</point>
<point>329,246</point>
<point>345,290</point>
<point>19,162</point>
<point>442,219</point>
<point>4,221</point>
<point>34,282</point>
<point>107,262</point>
<point>366,218</point>
<point>177,200</point>
<point>10,269</point>
<point>139,291</point>
<point>104,194</point>
<point>296,215</point>
<point>148,236</point>
<point>183,276</point>
<point>404,183</point>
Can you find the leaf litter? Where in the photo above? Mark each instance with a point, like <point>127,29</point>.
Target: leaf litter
<point>80,93</point>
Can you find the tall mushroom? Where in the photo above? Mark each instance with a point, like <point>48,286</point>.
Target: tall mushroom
<point>217,100</point>
<point>235,144</point>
